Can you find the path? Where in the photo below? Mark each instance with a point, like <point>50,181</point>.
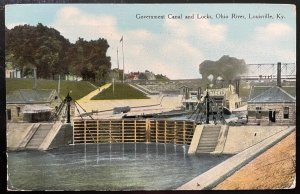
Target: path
<point>155,104</point>
<point>89,96</point>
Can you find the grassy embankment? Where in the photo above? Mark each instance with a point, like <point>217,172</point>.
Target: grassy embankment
<point>78,88</point>
<point>121,91</point>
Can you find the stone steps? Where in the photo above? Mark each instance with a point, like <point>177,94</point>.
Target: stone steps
<point>209,139</point>
<point>39,136</point>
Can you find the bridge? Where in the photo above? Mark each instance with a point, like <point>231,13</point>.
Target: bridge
<point>269,71</point>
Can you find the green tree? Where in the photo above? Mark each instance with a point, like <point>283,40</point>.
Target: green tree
<point>88,59</point>
<point>37,46</point>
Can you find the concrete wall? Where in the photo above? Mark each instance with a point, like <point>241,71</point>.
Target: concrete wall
<point>196,138</point>
<point>15,134</point>
<point>63,137</point>
<point>222,139</point>
<point>242,137</point>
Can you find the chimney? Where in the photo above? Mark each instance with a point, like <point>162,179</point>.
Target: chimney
<point>199,93</point>
<point>187,93</point>
<point>279,74</point>
<point>237,87</point>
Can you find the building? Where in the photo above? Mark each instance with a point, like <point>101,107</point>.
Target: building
<point>221,97</point>
<point>12,73</point>
<point>27,105</point>
<point>133,76</point>
<point>271,105</point>
<point>191,97</point>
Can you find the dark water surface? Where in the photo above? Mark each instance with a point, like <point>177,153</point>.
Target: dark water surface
<point>107,167</point>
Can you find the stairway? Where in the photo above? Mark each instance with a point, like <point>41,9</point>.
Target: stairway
<point>209,139</point>
<point>39,136</point>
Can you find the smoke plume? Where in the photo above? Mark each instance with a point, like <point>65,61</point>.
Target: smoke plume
<point>227,67</point>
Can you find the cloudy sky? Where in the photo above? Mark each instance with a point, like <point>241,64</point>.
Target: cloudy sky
<point>173,47</point>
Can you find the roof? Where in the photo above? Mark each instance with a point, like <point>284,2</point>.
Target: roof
<point>271,95</point>
<point>29,96</point>
<point>256,90</point>
<point>36,108</point>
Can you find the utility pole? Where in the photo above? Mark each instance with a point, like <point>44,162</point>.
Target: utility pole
<point>118,59</point>
<point>123,58</point>
<point>34,78</point>
<point>113,83</point>
<point>58,87</point>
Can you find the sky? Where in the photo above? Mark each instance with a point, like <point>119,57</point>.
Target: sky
<point>172,47</point>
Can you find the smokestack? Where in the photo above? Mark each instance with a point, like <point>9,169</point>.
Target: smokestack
<point>199,93</point>
<point>187,93</point>
<point>279,74</point>
<point>237,87</point>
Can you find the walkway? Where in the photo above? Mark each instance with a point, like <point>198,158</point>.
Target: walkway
<point>89,96</point>
<point>155,104</point>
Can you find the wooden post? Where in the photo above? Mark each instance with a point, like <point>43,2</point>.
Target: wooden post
<point>134,131</point>
<point>73,132</point>
<point>97,131</point>
<point>109,131</point>
<point>122,131</point>
<point>156,130</point>
<point>165,131</point>
<point>183,132</point>
<point>84,132</point>
<point>175,132</point>
<point>146,130</point>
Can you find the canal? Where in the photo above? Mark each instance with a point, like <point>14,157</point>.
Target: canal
<point>126,166</point>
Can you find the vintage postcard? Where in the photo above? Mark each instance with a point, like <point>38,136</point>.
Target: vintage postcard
<point>127,97</point>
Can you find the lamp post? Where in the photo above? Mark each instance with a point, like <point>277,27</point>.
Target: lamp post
<point>68,99</point>
<point>207,106</point>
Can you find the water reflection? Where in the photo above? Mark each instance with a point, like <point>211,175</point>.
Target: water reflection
<point>126,166</point>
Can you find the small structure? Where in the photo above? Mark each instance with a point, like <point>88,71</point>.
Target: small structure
<point>222,97</point>
<point>27,105</point>
<point>271,106</point>
<point>191,97</point>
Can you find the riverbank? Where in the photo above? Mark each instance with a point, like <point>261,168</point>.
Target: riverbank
<point>274,169</point>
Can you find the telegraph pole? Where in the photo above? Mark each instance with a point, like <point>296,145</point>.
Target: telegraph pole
<point>123,57</point>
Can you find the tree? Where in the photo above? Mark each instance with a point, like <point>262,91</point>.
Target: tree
<point>88,59</point>
<point>37,46</point>
<point>44,48</point>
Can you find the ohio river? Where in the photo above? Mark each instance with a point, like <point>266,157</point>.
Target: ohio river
<point>107,167</point>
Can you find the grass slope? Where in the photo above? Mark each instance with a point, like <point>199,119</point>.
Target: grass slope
<point>122,91</point>
<point>78,88</point>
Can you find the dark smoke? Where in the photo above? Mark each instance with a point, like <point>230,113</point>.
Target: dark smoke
<point>227,67</point>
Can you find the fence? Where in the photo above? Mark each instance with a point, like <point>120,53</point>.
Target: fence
<point>133,131</point>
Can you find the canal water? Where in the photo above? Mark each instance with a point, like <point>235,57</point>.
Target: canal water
<point>107,167</point>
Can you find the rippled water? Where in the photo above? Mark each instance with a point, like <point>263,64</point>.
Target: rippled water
<point>107,167</point>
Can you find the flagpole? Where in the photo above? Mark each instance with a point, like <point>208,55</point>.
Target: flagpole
<point>118,58</point>
<point>123,59</point>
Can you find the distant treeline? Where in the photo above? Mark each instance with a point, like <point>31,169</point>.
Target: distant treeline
<point>44,48</point>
